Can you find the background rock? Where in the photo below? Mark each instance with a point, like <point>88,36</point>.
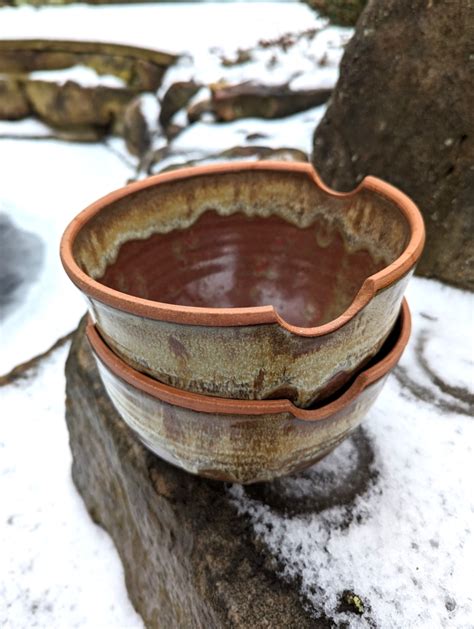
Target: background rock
<point>342,12</point>
<point>13,102</point>
<point>231,102</point>
<point>84,111</point>
<point>135,129</point>
<point>72,105</point>
<point>141,68</point>
<point>177,96</point>
<point>402,111</point>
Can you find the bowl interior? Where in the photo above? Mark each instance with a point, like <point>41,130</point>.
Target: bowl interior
<point>244,239</point>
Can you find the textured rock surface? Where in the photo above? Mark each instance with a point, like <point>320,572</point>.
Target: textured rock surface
<point>142,69</point>
<point>13,102</point>
<point>89,110</point>
<point>135,129</point>
<point>402,110</point>
<point>176,97</point>
<point>231,102</point>
<point>343,12</point>
<point>190,560</point>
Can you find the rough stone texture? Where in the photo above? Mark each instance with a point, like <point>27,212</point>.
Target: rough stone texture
<point>141,68</point>
<point>189,559</point>
<point>176,97</point>
<point>86,112</point>
<point>135,129</point>
<point>13,102</point>
<point>403,111</point>
<point>342,12</point>
<point>231,102</point>
<point>72,105</point>
<point>253,100</point>
<point>236,153</point>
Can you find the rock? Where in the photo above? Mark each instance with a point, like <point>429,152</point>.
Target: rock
<point>71,105</point>
<point>231,102</point>
<point>173,130</point>
<point>241,56</point>
<point>135,129</point>
<point>73,109</point>
<point>283,154</point>
<point>197,110</point>
<point>13,102</point>
<point>141,68</point>
<point>402,111</point>
<point>341,12</point>
<point>190,559</point>
<point>176,97</point>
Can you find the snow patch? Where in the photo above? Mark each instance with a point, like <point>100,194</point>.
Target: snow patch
<point>82,75</point>
<point>58,569</point>
<point>407,550</point>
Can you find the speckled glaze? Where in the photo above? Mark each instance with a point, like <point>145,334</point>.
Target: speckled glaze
<point>236,440</point>
<point>246,281</point>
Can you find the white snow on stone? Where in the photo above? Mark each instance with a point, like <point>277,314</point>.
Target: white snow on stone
<point>25,127</point>
<point>82,75</point>
<point>150,109</point>
<point>294,131</point>
<point>408,549</point>
<point>310,62</point>
<point>57,568</point>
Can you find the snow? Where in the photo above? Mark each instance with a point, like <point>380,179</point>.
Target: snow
<point>408,549</point>
<point>44,185</point>
<point>25,127</point>
<point>82,75</point>
<point>316,45</point>
<point>295,131</point>
<point>58,569</point>
<point>171,27</point>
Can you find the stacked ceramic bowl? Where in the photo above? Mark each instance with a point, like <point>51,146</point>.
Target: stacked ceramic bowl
<point>244,317</point>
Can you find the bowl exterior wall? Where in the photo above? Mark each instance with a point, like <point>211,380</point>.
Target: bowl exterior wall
<point>261,361</point>
<point>233,447</point>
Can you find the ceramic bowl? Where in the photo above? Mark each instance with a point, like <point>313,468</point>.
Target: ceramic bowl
<point>243,441</point>
<point>246,281</point>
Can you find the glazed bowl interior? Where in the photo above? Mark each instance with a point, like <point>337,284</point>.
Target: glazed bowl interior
<point>243,238</point>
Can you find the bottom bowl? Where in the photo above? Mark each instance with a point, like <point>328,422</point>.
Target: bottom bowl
<point>237,440</point>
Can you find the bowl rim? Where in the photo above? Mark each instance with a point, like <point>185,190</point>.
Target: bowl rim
<point>251,315</point>
<point>208,404</point>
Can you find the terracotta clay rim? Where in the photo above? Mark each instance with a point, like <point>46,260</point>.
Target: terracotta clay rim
<point>256,314</point>
<point>208,404</point>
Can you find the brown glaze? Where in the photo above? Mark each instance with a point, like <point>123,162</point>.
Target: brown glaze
<point>234,440</point>
<point>246,281</point>
<point>236,261</point>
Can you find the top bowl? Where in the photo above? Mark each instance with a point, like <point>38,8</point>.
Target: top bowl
<point>246,281</point>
